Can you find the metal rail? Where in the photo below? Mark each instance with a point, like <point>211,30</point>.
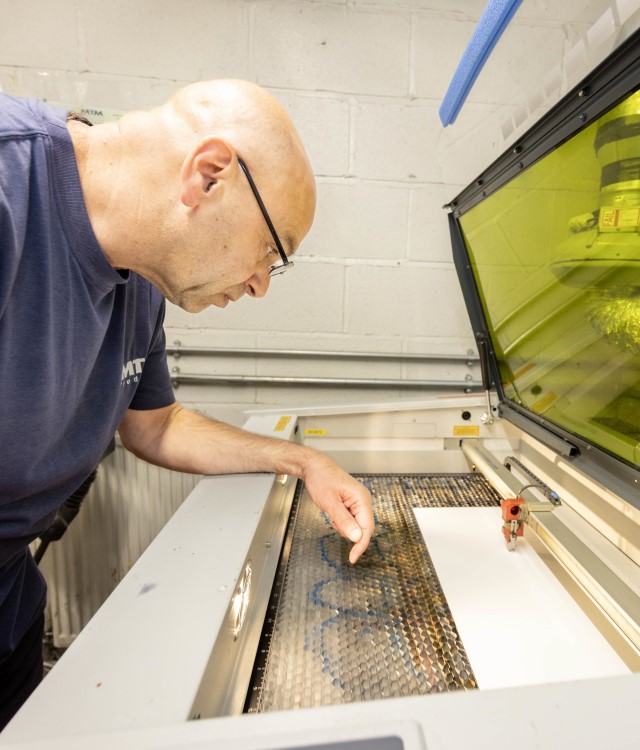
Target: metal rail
<point>177,350</point>
<point>179,378</point>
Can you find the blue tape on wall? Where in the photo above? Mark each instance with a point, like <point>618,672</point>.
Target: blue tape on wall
<point>492,23</point>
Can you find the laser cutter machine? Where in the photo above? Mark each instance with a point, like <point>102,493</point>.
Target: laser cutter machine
<point>499,602</point>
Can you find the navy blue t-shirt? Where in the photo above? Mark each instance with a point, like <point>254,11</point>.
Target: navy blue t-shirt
<point>80,343</point>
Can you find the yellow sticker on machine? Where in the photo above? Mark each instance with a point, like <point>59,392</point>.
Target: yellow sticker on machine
<point>466,430</point>
<point>619,218</point>
<point>544,403</point>
<point>282,423</point>
<point>315,431</point>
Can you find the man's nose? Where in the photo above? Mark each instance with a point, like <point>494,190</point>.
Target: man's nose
<point>258,284</point>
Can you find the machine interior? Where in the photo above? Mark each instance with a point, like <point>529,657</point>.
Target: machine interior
<point>556,261</point>
<point>337,633</point>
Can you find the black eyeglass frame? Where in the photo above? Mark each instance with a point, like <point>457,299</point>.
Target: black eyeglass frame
<point>284,263</point>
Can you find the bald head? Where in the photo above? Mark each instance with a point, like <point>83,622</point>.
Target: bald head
<point>167,196</point>
<point>258,129</point>
<point>249,118</point>
<point>237,109</point>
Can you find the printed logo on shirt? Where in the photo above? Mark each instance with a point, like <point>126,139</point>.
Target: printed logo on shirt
<point>131,371</point>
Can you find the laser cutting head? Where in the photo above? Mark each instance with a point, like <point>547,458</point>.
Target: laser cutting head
<point>603,251</point>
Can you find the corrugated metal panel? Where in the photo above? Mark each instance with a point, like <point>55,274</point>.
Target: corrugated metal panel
<point>128,504</point>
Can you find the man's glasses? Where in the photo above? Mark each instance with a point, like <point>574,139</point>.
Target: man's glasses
<point>284,262</point>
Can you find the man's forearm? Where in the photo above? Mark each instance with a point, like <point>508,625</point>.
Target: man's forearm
<point>181,439</point>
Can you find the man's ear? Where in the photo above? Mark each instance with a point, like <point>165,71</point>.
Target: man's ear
<point>202,168</point>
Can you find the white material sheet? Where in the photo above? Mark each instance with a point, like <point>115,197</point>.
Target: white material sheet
<point>518,624</point>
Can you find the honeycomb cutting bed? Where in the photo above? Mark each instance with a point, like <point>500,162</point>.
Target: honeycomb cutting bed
<point>337,633</point>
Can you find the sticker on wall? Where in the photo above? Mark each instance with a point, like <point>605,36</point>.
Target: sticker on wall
<point>315,431</point>
<point>281,424</point>
<point>95,115</point>
<point>99,98</point>
<point>466,430</point>
<point>101,114</point>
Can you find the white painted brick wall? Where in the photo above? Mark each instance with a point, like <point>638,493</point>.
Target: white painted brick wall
<point>396,139</point>
<point>329,47</point>
<point>184,41</point>
<point>360,219</point>
<point>428,228</point>
<point>323,121</point>
<point>27,35</point>
<point>428,302</point>
<point>363,79</point>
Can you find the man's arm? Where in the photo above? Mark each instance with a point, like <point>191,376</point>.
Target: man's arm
<point>178,438</point>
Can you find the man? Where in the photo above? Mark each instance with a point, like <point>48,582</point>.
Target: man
<point>97,225</point>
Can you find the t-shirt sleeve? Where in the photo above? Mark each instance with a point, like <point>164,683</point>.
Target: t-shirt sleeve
<point>154,389</point>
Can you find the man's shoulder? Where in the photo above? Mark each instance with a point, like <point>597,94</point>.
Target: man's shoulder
<point>25,118</point>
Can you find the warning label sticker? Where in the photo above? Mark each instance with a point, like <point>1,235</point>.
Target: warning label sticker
<point>619,218</point>
<point>281,424</point>
<point>466,430</point>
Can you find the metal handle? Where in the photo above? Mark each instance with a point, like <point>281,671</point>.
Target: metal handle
<point>241,600</point>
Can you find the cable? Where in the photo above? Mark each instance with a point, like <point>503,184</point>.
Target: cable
<point>64,516</point>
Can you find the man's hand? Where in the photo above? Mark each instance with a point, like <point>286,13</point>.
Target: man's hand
<point>180,439</point>
<point>343,499</point>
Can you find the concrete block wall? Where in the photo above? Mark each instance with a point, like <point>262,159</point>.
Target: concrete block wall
<point>363,80</point>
